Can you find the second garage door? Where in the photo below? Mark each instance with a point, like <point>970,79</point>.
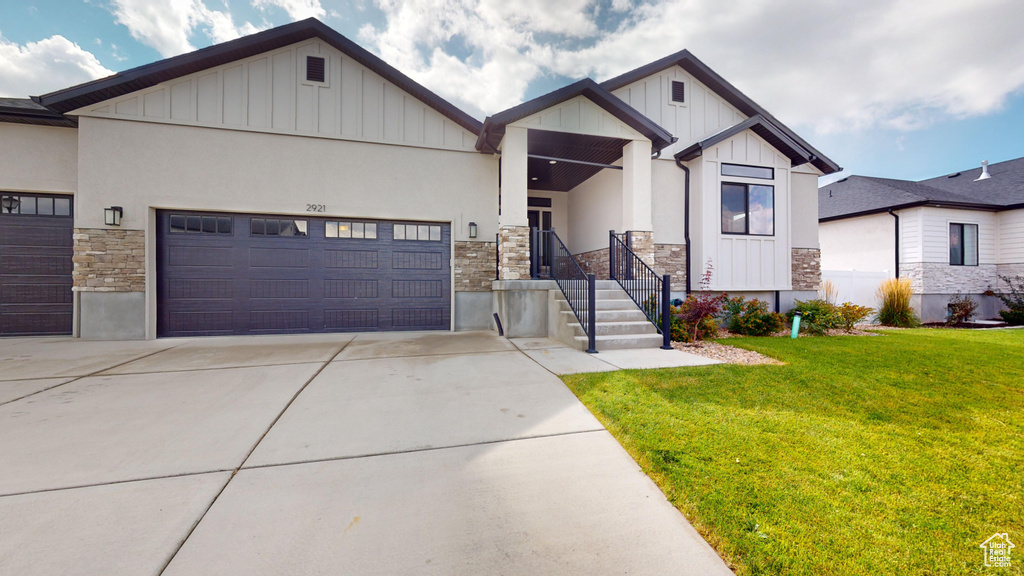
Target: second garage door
<point>224,274</point>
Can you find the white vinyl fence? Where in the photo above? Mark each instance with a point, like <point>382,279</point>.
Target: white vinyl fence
<point>856,286</point>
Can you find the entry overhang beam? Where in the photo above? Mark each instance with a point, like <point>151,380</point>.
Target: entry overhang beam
<point>568,161</point>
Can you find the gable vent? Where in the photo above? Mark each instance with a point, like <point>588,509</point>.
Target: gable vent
<point>678,91</point>
<point>315,68</point>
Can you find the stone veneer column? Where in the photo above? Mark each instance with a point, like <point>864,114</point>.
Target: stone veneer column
<point>109,260</point>
<point>514,251</point>
<point>671,259</point>
<point>806,264</point>
<point>475,266</point>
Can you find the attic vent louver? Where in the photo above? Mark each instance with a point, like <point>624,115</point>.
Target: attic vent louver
<point>678,91</point>
<point>953,175</point>
<point>315,68</point>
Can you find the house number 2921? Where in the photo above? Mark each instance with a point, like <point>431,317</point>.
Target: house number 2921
<point>316,207</point>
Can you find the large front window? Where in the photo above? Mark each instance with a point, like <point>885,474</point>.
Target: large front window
<point>748,209</point>
<point>963,244</point>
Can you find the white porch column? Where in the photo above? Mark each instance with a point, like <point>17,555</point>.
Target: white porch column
<point>514,178</point>
<point>636,186</point>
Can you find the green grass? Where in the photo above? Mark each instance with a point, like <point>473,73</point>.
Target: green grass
<point>895,454</point>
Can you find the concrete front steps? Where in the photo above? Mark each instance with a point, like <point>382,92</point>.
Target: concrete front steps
<point>621,324</point>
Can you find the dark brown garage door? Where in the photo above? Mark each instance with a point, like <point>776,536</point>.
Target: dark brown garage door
<point>258,274</point>
<point>35,264</point>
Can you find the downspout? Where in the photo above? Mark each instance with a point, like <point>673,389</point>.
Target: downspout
<point>897,238</point>
<point>686,222</point>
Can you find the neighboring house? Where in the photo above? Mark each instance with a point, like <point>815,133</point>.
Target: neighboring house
<point>290,181</point>
<point>951,234</point>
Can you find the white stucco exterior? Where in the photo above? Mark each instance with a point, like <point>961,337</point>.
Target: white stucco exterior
<point>38,158</point>
<point>866,243</point>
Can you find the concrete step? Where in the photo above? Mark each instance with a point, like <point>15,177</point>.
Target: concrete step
<point>607,305</point>
<point>616,294</point>
<point>629,342</point>
<point>633,315</point>
<point>617,328</point>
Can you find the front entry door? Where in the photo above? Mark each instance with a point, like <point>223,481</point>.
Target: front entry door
<point>542,219</point>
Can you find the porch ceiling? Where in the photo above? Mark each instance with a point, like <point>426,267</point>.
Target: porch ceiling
<point>564,176</point>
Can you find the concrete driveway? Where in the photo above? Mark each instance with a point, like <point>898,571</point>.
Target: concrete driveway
<point>360,454</point>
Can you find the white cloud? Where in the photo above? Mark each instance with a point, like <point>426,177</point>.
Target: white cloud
<point>169,25</point>
<point>41,67</point>
<point>296,9</point>
<point>829,66</point>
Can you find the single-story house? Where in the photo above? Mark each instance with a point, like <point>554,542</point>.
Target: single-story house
<point>291,181</point>
<point>955,233</point>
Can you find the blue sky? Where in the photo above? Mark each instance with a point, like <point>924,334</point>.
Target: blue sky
<point>894,89</point>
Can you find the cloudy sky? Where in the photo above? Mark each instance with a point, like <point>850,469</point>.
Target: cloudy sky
<point>895,88</point>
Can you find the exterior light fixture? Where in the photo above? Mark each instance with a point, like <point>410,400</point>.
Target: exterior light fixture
<point>112,216</point>
<point>552,161</point>
<point>534,178</point>
<point>10,203</point>
<point>472,229</point>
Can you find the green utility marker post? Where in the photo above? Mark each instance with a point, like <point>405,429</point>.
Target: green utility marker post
<point>796,325</point>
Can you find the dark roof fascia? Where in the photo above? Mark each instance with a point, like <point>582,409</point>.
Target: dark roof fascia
<point>797,154</point>
<point>929,203</point>
<point>494,126</point>
<point>687,61</point>
<point>36,116</point>
<point>149,75</point>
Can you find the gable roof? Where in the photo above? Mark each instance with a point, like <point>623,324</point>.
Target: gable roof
<point>761,126</point>
<point>25,111</point>
<point>687,61</point>
<point>494,126</point>
<point>863,195</point>
<point>149,75</point>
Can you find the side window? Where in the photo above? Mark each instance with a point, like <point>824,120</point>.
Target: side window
<point>963,244</point>
<point>748,209</point>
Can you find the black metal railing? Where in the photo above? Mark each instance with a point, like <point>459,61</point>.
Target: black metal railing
<point>648,290</point>
<point>549,258</point>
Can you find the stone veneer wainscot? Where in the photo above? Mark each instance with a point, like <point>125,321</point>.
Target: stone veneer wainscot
<point>474,266</point>
<point>109,260</point>
<point>806,269</point>
<point>514,251</point>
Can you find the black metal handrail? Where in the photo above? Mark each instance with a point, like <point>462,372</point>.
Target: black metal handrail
<point>649,291</point>
<point>579,288</point>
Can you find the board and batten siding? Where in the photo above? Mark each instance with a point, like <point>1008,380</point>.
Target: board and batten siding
<point>1010,248</point>
<point>703,113</point>
<point>268,93</point>
<point>744,262</point>
<point>579,116</point>
<point>931,225</point>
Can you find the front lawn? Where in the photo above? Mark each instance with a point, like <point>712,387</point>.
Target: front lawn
<point>894,454</point>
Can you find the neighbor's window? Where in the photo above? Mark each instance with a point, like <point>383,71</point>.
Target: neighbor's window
<point>963,244</point>
<point>422,232</point>
<point>744,171</point>
<point>363,230</point>
<point>748,209</point>
<point>278,227</point>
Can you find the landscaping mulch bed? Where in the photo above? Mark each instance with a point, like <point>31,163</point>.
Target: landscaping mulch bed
<point>732,355</point>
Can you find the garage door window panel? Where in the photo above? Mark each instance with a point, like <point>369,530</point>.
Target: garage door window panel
<point>278,227</point>
<point>355,230</point>
<point>418,232</point>
<point>197,224</point>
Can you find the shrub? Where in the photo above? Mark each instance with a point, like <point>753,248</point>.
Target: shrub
<point>961,309</point>
<point>894,303</point>
<point>696,317</point>
<point>850,314</point>
<point>816,316</point>
<point>753,318</point>
<point>1014,300</point>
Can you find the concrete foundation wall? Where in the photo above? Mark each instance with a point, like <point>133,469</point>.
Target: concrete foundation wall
<point>934,307</point>
<point>472,311</point>
<point>522,307</point>
<point>111,315</point>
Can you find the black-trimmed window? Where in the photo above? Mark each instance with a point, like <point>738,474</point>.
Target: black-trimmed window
<point>356,230</point>
<point>30,205</point>
<point>420,232</point>
<point>278,227</point>
<point>748,209</point>
<point>744,171</point>
<point>199,224</point>
<point>963,244</point>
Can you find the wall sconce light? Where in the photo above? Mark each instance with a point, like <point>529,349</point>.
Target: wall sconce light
<point>472,229</point>
<point>112,216</point>
<point>10,204</point>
